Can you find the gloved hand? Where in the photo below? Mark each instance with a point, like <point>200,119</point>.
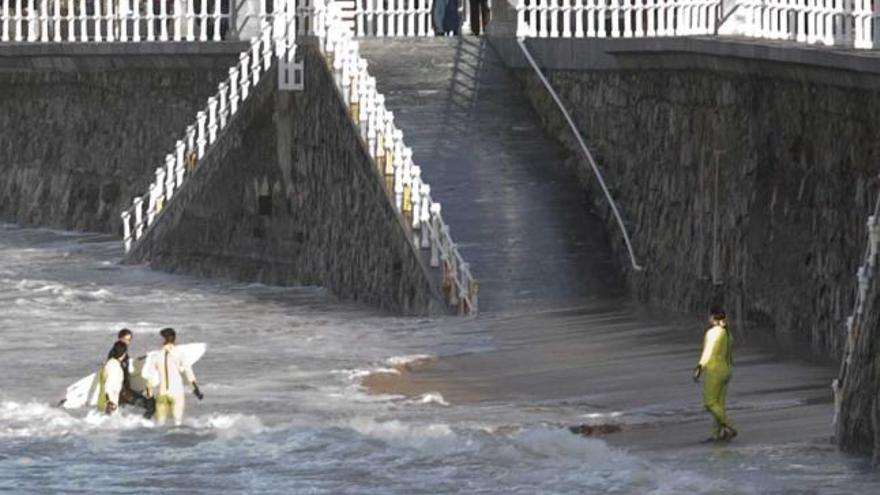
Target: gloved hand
<point>198,393</point>
<point>697,372</point>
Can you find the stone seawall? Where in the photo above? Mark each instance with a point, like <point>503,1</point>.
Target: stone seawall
<point>777,160</point>
<point>780,170</point>
<point>289,196</point>
<point>82,128</point>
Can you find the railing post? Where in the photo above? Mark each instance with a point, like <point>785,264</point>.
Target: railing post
<point>415,180</point>
<point>138,204</point>
<point>223,90</point>
<point>233,91</point>
<point>212,119</point>
<point>151,205</point>
<point>191,149</point>
<point>435,234</point>
<point>136,24</point>
<point>201,139</point>
<point>245,76</point>
<point>425,216</point>
<point>126,230</point>
<point>160,189</point>
<point>180,162</point>
<point>169,176</point>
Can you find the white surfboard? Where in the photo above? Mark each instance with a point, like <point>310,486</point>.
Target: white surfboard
<point>84,392</point>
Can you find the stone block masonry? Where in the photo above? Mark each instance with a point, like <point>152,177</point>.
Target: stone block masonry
<point>82,128</point>
<point>289,196</point>
<point>781,170</point>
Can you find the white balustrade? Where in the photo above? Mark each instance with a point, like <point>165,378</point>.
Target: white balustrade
<point>617,19</point>
<point>203,133</point>
<point>400,177</point>
<point>29,21</point>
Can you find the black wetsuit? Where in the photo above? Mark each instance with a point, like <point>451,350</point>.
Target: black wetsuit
<point>131,397</point>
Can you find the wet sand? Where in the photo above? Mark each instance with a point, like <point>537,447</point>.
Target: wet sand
<point>623,367</point>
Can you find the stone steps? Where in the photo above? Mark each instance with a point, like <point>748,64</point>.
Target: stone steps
<point>519,217</point>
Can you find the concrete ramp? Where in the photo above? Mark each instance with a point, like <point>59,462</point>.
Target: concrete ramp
<point>520,218</point>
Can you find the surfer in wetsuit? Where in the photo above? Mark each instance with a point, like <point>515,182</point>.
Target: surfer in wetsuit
<point>110,379</point>
<point>716,368</point>
<point>165,371</point>
<point>128,396</point>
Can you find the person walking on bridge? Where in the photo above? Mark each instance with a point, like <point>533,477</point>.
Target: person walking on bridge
<point>716,368</point>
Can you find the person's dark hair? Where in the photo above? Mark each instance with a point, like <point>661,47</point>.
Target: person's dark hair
<point>169,335</point>
<point>118,350</point>
<point>124,332</point>
<point>717,313</point>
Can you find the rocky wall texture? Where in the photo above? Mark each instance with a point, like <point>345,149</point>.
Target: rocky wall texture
<point>858,414</point>
<point>77,145</point>
<point>780,172</point>
<point>289,196</point>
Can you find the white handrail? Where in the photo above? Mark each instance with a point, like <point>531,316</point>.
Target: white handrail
<point>587,154</point>
<point>31,21</point>
<point>402,179</point>
<point>616,19</point>
<point>277,38</point>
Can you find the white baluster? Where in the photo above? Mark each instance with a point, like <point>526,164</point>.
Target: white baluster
<point>425,216</point>
<point>435,235</point>
<point>136,20</point>
<point>215,20</point>
<point>4,21</point>
<point>57,18</point>
<point>267,50</point>
<point>201,138</point>
<point>126,230</point>
<point>416,197</point>
<point>138,204</point>
<point>160,189</point>
<point>169,176</point>
<point>224,105</point>
<point>180,162</point>
<point>191,140</point>
<point>245,76</point>
<point>151,206</point>
<point>212,119</point>
<point>256,66</point>
<point>190,21</point>
<point>233,91</point>
<point>399,162</point>
<point>43,22</point>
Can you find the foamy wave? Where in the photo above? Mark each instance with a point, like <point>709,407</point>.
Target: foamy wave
<point>436,437</point>
<point>63,293</point>
<point>33,419</point>
<point>432,398</point>
<point>408,361</point>
<point>359,374</point>
<point>229,425</point>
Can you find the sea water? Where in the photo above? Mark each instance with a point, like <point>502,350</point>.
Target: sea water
<point>284,411</point>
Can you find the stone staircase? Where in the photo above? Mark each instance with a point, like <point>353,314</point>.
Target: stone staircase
<point>520,218</point>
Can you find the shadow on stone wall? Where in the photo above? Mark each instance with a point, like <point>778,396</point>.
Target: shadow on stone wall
<point>289,196</point>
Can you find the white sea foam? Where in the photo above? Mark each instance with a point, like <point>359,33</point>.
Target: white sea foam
<point>432,398</point>
<point>32,419</point>
<point>228,425</point>
<point>404,361</point>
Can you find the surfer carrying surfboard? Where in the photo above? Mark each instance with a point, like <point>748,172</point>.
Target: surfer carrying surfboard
<point>110,379</point>
<point>129,396</point>
<point>165,371</point>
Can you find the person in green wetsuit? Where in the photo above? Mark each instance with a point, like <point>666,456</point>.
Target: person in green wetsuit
<point>716,368</point>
